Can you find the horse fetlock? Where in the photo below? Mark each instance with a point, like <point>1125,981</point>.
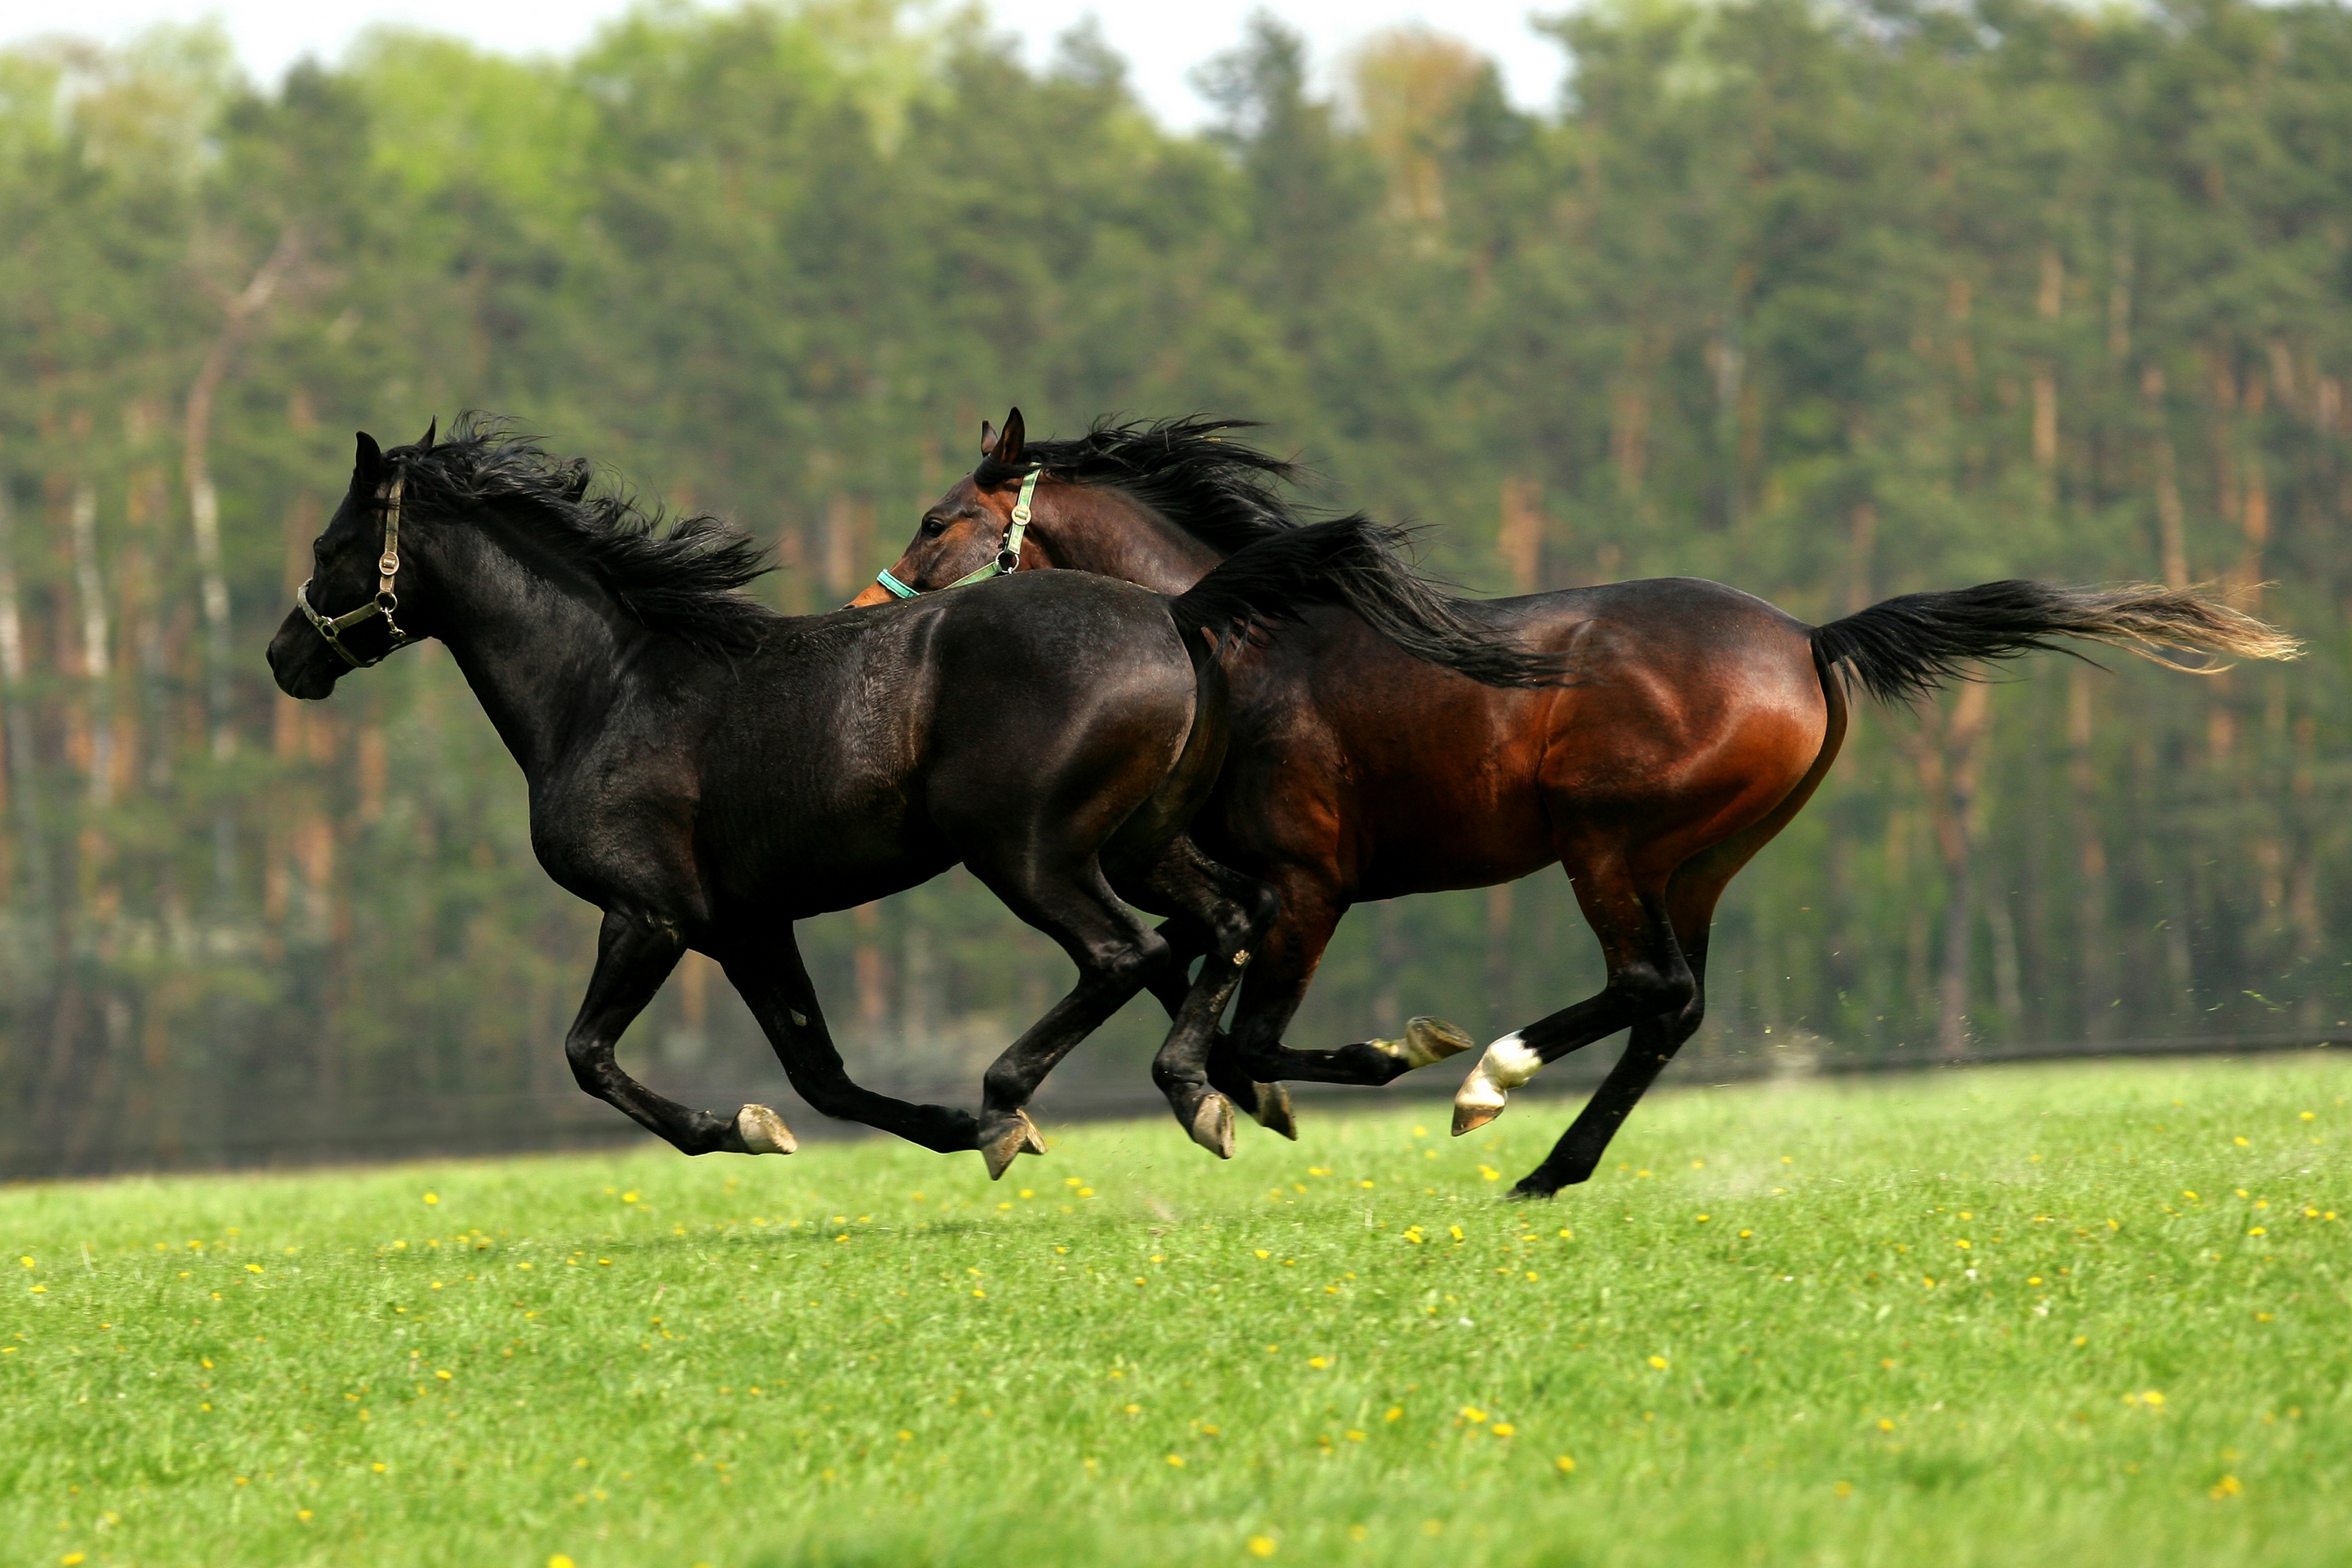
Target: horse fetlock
<point>1425,1040</point>
<point>763,1132</point>
<point>1506,1064</point>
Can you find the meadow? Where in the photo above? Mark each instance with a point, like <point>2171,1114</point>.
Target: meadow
<point>2084,1314</point>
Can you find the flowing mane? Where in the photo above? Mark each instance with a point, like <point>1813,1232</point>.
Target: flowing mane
<point>1223,492</point>
<point>683,577</point>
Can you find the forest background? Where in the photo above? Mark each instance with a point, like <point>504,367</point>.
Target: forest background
<point>1827,300</point>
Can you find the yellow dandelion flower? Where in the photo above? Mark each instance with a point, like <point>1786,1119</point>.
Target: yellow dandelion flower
<point>1564,1465</point>
<point>559,1561</point>
<point>1503,1429</point>
<point>1261,1546</point>
<point>1395,1413</point>
<point>1456,1230</point>
<point>1658,1363</point>
<point>71,1558</point>
<point>1472,1414</point>
<point>444,1375</point>
<point>1176,1460</point>
<point>1703,1219</point>
<point>2151,1397</point>
<point>433,1197</point>
<point>1884,1425</point>
<point>1844,1488</point>
<point>2240,1143</point>
<point>2226,1487</point>
<point>1318,1363</point>
<point>2258,1230</point>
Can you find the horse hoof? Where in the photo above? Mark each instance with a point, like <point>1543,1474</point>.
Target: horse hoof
<point>1426,1040</point>
<point>1212,1126</point>
<point>1508,1063</point>
<point>1273,1110</point>
<point>1013,1134</point>
<point>1469,1116</point>
<point>763,1132</point>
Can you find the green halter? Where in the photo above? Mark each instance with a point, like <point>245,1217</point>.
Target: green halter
<point>1007,559</point>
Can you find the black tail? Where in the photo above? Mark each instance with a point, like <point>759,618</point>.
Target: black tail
<point>1353,561</point>
<point>1905,648</point>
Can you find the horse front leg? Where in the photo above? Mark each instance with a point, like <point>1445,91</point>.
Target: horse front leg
<point>1187,941</point>
<point>775,986</point>
<point>635,951</point>
<point>1287,957</point>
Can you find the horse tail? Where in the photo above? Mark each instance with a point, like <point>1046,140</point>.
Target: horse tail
<point>1353,563</point>
<point>1902,648</point>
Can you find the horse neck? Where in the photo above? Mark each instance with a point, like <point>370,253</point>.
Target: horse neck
<point>546,648</point>
<point>1114,535</point>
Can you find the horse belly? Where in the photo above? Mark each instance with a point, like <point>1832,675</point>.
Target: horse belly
<point>1442,780</point>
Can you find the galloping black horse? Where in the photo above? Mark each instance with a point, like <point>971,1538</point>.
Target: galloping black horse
<point>1695,724</point>
<point>707,771</point>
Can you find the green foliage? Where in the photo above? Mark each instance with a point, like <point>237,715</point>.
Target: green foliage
<point>1826,301</point>
<point>2078,1316</point>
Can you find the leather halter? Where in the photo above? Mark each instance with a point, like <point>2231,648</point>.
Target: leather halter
<point>386,602</point>
<point>1008,559</point>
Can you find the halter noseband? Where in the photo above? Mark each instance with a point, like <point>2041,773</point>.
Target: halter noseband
<point>385,601</point>
<point>1008,559</point>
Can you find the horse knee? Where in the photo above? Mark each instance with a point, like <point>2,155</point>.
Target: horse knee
<point>1126,965</point>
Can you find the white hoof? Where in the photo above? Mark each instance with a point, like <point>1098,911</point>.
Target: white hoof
<point>763,1132</point>
<point>1507,1064</point>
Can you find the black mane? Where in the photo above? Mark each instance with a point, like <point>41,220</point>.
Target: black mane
<point>1224,493</point>
<point>683,579</point>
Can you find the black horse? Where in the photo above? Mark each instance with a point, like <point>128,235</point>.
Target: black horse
<point>707,771</point>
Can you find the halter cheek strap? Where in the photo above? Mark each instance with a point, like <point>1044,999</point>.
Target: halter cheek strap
<point>386,602</point>
<point>1008,559</point>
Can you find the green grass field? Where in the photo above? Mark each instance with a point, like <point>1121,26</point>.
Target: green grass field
<point>2070,1315</point>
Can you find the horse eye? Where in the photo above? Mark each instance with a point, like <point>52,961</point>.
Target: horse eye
<point>933,527</point>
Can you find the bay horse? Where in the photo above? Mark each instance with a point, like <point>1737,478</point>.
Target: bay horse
<point>1693,722</point>
<point>707,771</point>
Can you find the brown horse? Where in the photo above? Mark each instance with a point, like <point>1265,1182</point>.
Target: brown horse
<point>1694,723</point>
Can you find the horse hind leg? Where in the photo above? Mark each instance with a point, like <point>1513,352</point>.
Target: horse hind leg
<point>1188,941</point>
<point>1647,975</point>
<point>1655,1041</point>
<point>769,975</point>
<point>1691,898</point>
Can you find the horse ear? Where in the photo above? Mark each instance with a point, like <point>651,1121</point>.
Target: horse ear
<point>431,428</point>
<point>367,466</point>
<point>987,438</point>
<point>1006,447</point>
